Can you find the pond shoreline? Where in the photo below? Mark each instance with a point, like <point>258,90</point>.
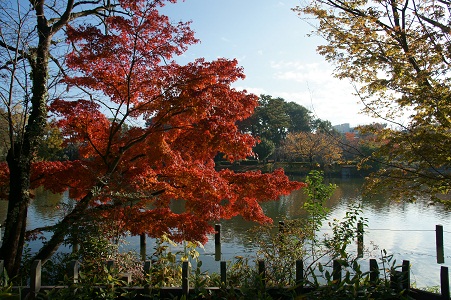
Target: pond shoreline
<point>293,168</point>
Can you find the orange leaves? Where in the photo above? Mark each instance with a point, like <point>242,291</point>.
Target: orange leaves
<point>82,121</point>
<point>76,176</point>
<point>126,62</point>
<point>246,189</point>
<point>150,135</point>
<point>179,227</point>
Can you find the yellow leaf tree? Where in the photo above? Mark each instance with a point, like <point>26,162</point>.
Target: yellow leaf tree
<point>397,54</point>
<point>314,148</point>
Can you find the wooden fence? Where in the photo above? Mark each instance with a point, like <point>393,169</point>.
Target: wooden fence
<point>399,280</point>
<point>440,252</point>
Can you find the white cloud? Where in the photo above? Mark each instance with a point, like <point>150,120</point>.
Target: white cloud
<point>313,86</point>
<point>297,72</point>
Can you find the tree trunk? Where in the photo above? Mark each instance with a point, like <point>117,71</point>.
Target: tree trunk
<point>63,227</point>
<point>21,154</point>
<point>25,145</point>
<point>16,220</point>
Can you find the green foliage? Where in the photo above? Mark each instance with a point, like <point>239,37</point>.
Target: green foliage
<point>6,286</point>
<point>356,284</point>
<point>274,118</point>
<point>167,271</point>
<point>51,147</point>
<point>317,194</point>
<point>292,240</point>
<point>91,286</point>
<point>344,232</point>
<point>92,249</point>
<point>264,149</point>
<point>280,247</point>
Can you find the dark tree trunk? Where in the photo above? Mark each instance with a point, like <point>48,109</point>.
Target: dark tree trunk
<point>13,241</point>
<point>22,152</point>
<point>24,147</point>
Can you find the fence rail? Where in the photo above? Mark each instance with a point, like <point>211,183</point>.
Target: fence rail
<point>399,281</point>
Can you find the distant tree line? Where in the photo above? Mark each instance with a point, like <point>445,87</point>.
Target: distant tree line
<point>287,131</point>
<point>274,120</point>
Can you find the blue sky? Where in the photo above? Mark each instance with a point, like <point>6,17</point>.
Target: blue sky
<point>271,44</point>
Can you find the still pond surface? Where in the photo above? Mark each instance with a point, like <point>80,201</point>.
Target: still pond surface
<point>406,230</point>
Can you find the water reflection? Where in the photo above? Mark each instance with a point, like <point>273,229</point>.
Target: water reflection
<point>406,230</point>
<point>46,205</point>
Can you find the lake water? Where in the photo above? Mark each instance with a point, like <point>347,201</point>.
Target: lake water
<point>406,230</point>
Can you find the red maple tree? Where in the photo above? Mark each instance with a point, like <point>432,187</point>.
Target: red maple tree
<point>149,132</point>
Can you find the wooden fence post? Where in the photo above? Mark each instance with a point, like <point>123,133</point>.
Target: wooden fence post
<point>336,271</point>
<point>299,276</point>
<point>223,269</point>
<point>75,267</point>
<point>147,268</point>
<point>35,280</point>
<point>143,246</point>
<point>444,282</point>
<point>217,234</point>
<point>439,244</point>
<point>374,270</point>
<point>396,280</point>
<point>281,236</point>
<point>185,282</point>
<point>217,242</point>
<point>148,276</point>
<point>281,226</point>
<point>218,252</point>
<point>360,239</point>
<point>262,273</point>
<point>405,282</point>
<point>109,265</point>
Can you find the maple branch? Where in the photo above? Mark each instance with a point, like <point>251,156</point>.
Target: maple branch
<point>57,77</point>
<point>37,230</point>
<point>65,17</point>
<point>6,65</point>
<point>22,55</point>
<point>62,228</point>
<point>96,11</point>
<point>87,2</point>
